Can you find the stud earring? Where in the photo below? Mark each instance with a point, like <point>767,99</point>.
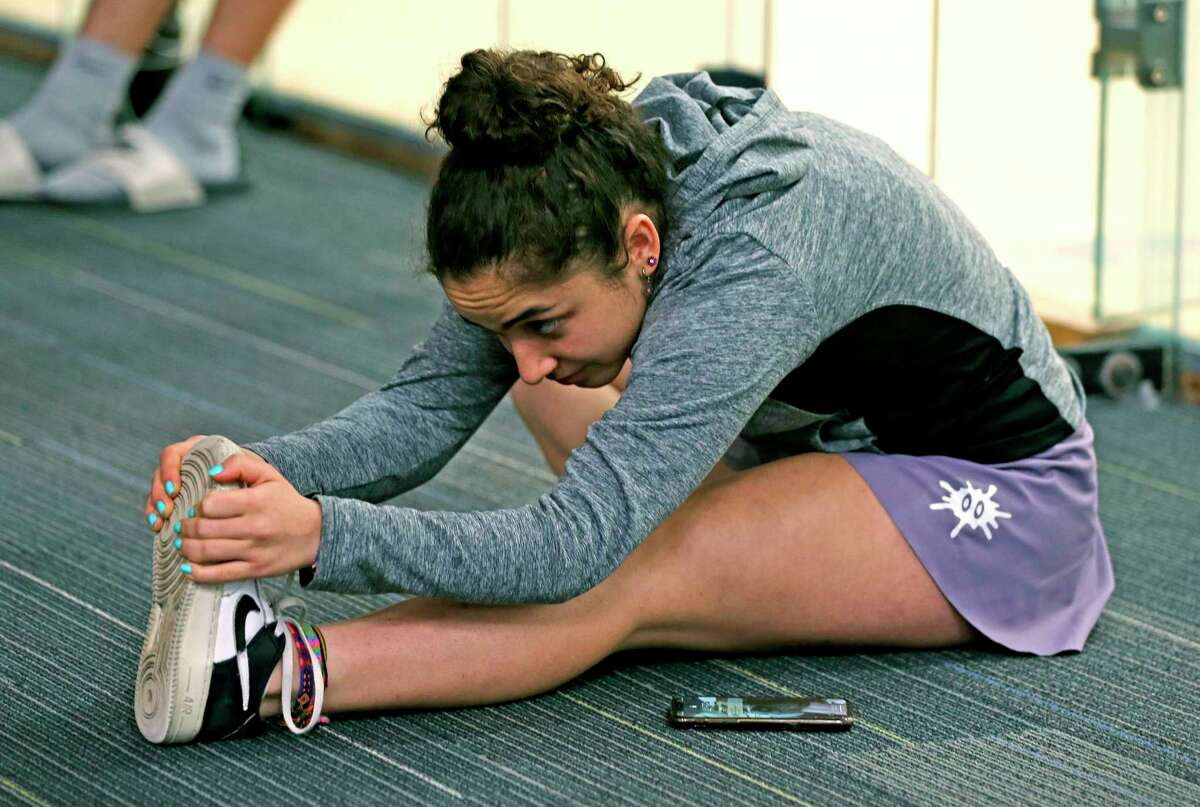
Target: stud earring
<point>652,261</point>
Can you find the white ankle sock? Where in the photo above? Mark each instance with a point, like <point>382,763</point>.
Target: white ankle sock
<point>198,113</point>
<point>196,118</point>
<point>72,111</point>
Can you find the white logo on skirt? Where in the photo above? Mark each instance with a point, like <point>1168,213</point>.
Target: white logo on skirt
<point>973,507</point>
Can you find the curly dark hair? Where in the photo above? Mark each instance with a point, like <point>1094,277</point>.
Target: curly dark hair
<point>543,155</point>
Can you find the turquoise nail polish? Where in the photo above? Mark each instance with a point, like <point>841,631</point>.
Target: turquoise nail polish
<point>179,543</point>
<point>186,568</point>
<point>153,519</point>
<point>178,527</point>
<point>160,507</point>
<point>170,486</point>
<point>216,469</point>
<point>191,512</point>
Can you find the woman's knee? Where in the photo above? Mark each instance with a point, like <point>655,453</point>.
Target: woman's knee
<point>558,416</point>
<point>524,396</point>
<point>549,404</point>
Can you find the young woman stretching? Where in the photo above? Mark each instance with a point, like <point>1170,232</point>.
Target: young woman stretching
<point>792,396</point>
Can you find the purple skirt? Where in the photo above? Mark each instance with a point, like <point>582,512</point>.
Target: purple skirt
<point>1016,547</point>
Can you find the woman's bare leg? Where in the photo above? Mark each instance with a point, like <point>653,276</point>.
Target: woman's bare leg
<point>796,552</point>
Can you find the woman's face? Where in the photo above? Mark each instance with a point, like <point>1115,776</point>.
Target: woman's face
<point>576,331</point>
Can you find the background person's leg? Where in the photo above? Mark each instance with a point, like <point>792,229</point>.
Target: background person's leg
<point>124,24</point>
<point>73,109</point>
<point>238,30</point>
<point>795,552</point>
<point>197,115</point>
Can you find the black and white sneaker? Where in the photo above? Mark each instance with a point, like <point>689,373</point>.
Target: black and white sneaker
<point>210,649</point>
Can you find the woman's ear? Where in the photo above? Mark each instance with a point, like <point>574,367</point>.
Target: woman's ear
<point>641,242</point>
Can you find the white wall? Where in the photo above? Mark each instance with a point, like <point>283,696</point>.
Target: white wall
<point>1016,116</point>
<point>1015,141</point>
<point>868,65</point>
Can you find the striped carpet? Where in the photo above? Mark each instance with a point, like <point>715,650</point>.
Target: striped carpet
<point>119,334</point>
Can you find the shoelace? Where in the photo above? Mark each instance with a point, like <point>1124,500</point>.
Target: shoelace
<point>287,602</point>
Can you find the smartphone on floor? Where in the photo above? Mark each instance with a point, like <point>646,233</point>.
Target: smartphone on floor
<point>726,711</point>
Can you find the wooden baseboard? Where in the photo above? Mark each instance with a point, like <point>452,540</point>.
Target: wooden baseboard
<point>1065,332</point>
<point>389,144</point>
<point>1189,386</point>
<point>26,43</point>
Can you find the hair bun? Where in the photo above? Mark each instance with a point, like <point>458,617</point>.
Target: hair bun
<point>521,104</point>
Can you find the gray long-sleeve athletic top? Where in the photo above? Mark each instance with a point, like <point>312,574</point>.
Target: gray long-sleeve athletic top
<point>816,293</point>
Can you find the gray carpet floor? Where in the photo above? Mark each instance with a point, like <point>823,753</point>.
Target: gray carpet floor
<point>262,313</point>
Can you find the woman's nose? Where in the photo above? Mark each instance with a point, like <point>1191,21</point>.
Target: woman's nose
<point>532,363</point>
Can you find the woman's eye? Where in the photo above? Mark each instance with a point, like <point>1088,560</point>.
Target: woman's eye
<point>546,327</point>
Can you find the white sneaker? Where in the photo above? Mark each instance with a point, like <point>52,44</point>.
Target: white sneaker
<point>210,649</point>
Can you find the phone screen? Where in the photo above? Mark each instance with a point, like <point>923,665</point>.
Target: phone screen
<point>719,709</point>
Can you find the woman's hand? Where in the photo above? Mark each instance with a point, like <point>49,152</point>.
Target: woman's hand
<point>164,486</point>
<point>263,530</point>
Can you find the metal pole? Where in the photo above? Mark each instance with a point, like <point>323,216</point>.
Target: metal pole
<point>730,19</point>
<point>1174,357</point>
<point>768,25</point>
<point>503,21</point>
<point>933,91</point>
<point>1098,242</point>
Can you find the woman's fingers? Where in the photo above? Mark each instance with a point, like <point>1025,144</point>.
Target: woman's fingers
<point>154,515</point>
<point>207,527</point>
<point>164,486</point>
<point>228,504</point>
<point>216,550</point>
<point>169,462</point>
<point>212,551</point>
<point>221,572</point>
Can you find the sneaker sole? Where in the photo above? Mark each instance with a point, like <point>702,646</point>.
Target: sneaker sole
<point>175,667</point>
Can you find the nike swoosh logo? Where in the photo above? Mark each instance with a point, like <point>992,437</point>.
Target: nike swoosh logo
<point>246,606</point>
